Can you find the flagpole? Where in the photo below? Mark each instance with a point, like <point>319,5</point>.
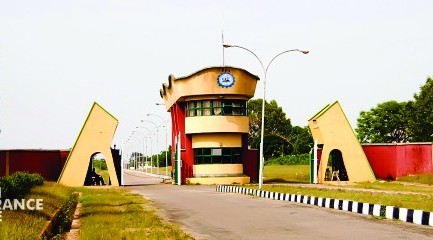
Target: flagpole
<point>222,40</point>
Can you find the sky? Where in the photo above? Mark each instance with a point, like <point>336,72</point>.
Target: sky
<point>58,57</point>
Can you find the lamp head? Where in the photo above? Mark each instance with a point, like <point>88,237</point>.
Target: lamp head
<point>305,51</point>
<point>227,45</point>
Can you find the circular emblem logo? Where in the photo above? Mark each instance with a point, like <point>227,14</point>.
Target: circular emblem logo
<point>226,80</point>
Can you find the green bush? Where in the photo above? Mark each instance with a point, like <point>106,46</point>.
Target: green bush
<point>66,214</point>
<point>5,187</point>
<point>17,185</point>
<point>299,159</point>
<point>36,179</point>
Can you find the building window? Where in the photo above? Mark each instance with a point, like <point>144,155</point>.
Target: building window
<point>207,108</point>
<point>234,108</point>
<point>199,108</point>
<point>191,109</point>
<point>217,155</point>
<point>216,107</point>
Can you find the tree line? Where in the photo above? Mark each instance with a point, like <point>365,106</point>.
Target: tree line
<point>137,158</point>
<point>399,122</point>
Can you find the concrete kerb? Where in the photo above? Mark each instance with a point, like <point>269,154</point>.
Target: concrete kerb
<point>390,212</point>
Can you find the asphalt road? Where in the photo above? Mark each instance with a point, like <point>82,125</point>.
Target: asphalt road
<point>208,214</point>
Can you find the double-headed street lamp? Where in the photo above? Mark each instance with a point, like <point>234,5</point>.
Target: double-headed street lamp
<point>136,158</point>
<point>265,71</point>
<point>166,146</point>
<point>157,155</point>
<point>145,136</point>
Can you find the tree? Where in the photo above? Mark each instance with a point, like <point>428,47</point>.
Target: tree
<point>254,113</point>
<point>301,139</point>
<point>161,157</point>
<point>280,137</point>
<point>421,117</point>
<point>277,127</point>
<point>100,164</point>
<point>135,158</point>
<point>386,123</point>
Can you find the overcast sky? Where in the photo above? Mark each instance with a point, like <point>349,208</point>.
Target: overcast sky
<point>58,57</point>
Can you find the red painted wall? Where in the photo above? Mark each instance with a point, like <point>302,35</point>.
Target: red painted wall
<point>187,153</point>
<point>2,163</point>
<point>393,161</point>
<point>415,159</point>
<point>383,160</point>
<point>250,162</point>
<point>251,165</point>
<point>48,163</point>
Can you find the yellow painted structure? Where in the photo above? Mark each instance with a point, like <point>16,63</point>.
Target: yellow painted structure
<point>192,87</point>
<point>95,137</point>
<point>331,129</point>
<point>218,180</point>
<point>217,170</point>
<point>215,124</point>
<point>212,127</point>
<point>216,140</point>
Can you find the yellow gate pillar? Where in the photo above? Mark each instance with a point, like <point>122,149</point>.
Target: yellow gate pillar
<point>95,137</point>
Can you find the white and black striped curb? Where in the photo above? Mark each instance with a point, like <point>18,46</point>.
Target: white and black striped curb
<point>390,212</point>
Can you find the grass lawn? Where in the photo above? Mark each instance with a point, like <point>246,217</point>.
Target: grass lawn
<point>413,201</point>
<point>423,178</point>
<point>108,213</point>
<point>162,170</point>
<point>286,173</point>
<point>113,213</point>
<point>29,224</point>
<point>399,193</point>
<point>397,186</point>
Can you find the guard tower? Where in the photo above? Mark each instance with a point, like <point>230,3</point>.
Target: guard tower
<point>210,124</point>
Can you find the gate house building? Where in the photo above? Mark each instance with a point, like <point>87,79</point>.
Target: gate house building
<point>209,112</point>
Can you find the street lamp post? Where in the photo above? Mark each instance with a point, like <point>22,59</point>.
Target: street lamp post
<point>140,165</point>
<point>146,135</point>
<point>166,146</point>
<point>157,154</point>
<point>135,164</point>
<point>265,71</point>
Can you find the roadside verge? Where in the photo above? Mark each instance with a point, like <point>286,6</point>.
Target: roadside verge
<point>390,212</point>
